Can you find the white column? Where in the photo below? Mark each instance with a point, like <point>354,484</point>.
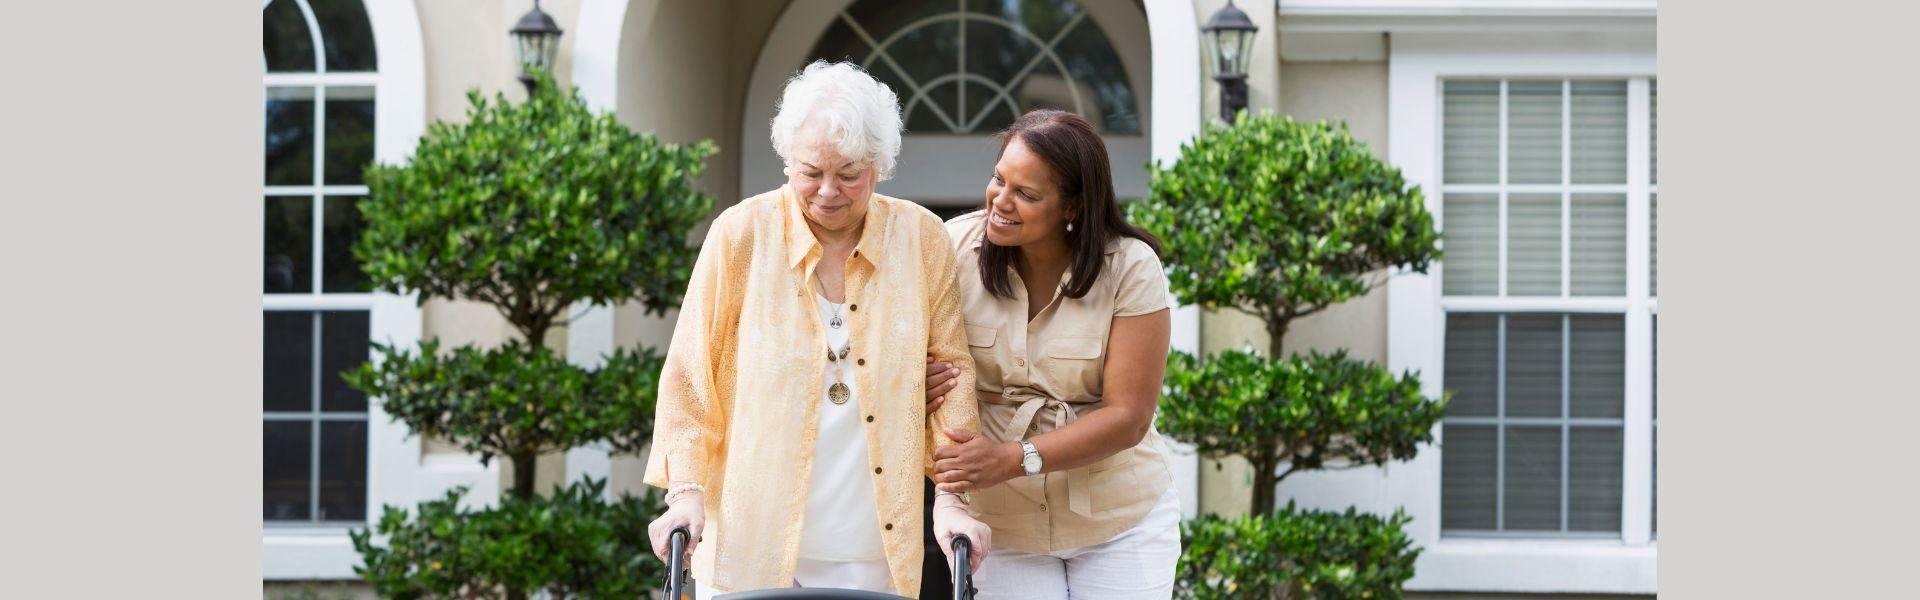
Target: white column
<point>1175,37</point>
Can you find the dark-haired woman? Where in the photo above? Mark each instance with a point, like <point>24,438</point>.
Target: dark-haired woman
<point>1067,321</point>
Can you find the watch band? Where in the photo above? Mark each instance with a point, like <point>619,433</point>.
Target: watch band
<point>1027,450</point>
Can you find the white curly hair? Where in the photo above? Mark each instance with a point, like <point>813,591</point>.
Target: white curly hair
<point>861,115</point>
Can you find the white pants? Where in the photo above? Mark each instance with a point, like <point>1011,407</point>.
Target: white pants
<point>1137,564</point>
<point>870,576</point>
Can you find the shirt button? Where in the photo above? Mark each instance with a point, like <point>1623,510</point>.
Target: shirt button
<point>889,527</point>
<point>853,307</point>
<point>876,470</point>
<point>862,362</point>
<point>1043,508</point>
<point>1019,362</point>
<point>869,418</point>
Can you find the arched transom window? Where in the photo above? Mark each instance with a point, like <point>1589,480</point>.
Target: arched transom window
<point>970,66</point>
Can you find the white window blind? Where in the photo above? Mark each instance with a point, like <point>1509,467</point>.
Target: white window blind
<point>1535,221</point>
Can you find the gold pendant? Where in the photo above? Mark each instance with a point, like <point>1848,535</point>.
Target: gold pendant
<point>838,394</point>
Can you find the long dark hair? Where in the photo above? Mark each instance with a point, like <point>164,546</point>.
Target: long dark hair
<point>1068,144</point>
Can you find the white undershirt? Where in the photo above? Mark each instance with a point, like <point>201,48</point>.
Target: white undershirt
<point>843,522</point>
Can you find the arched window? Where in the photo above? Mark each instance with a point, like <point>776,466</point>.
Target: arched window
<point>322,74</point>
<point>971,66</point>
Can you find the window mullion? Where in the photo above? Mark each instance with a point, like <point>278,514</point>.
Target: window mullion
<point>1566,192</point>
<point>1636,512</point>
<point>1500,427</point>
<point>313,443</point>
<point>1566,413</point>
<point>319,183</point>
<point>1500,168</point>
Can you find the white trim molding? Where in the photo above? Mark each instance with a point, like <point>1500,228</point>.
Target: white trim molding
<point>1174,32</point>
<point>1418,62</point>
<point>1460,16</point>
<point>596,52</point>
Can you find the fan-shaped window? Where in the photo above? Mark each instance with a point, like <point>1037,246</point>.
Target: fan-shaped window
<point>316,304</point>
<point>292,29</point>
<point>971,66</point>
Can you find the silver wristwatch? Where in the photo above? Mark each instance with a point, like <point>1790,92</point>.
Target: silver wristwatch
<point>1029,458</point>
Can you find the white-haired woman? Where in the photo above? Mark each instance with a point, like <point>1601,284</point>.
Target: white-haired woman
<point>790,432</point>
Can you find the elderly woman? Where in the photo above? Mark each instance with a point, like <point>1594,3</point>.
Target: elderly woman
<point>791,433</point>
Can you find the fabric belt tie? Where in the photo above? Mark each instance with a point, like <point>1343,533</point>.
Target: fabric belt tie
<point>1030,403</point>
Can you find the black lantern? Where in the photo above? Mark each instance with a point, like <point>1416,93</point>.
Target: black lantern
<point>536,40</point>
<point>1229,36</point>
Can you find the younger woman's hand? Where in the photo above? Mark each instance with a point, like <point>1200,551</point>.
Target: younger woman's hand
<point>941,377</point>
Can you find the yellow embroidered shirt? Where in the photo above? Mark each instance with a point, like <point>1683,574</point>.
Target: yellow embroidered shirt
<point>739,394</point>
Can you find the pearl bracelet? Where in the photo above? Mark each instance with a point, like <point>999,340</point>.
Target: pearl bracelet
<point>681,488</point>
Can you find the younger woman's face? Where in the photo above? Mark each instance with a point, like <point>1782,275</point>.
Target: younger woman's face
<point>1024,203</point>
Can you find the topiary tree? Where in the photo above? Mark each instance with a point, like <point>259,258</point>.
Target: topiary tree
<point>528,207</point>
<point>1280,220</point>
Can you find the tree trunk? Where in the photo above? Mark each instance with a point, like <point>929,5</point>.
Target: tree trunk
<point>1266,463</point>
<point>523,475</point>
<point>1265,480</point>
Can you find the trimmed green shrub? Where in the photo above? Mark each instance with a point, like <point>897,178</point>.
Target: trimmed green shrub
<point>531,206</point>
<point>1293,414</point>
<point>485,400</point>
<point>1280,219</point>
<point>1295,554</point>
<point>528,207</point>
<point>570,545</point>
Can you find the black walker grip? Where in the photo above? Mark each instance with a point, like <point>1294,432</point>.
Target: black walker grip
<point>676,563</point>
<point>962,568</point>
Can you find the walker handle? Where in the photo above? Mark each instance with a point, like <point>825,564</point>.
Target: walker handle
<point>962,568</point>
<point>676,563</point>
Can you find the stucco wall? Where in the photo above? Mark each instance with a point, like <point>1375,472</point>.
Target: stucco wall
<point>661,89</point>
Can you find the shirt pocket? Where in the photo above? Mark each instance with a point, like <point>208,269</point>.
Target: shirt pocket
<point>983,344</point>
<point>1075,361</point>
<point>1120,483</point>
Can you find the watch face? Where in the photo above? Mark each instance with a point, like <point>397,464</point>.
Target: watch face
<point>1031,463</point>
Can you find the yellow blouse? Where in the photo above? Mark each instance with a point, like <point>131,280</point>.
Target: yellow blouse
<point>1037,376</point>
<point>739,394</point>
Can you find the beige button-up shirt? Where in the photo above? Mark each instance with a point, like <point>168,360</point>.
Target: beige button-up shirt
<point>739,396</point>
<point>1037,376</point>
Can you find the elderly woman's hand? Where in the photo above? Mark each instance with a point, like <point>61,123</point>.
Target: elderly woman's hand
<point>951,519</point>
<point>687,509</point>
<point>974,462</point>
<point>941,377</point>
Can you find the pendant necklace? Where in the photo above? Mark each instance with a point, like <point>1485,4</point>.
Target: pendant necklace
<point>839,392</point>
<point>835,321</point>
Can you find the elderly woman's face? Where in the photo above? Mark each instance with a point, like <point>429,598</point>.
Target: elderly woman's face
<point>833,190</point>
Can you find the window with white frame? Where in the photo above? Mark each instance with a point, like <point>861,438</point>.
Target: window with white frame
<point>316,303</point>
<point>1535,190</point>
<point>972,67</point>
